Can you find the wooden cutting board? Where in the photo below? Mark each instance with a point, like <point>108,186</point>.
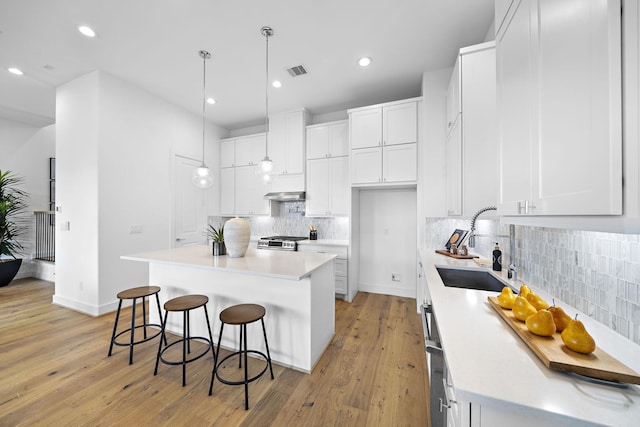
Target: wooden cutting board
<point>447,253</point>
<point>557,356</point>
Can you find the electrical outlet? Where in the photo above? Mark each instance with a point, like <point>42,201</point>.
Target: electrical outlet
<point>395,277</point>
<point>135,229</point>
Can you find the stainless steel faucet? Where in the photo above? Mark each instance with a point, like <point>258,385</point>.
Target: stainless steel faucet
<point>472,232</point>
<point>512,270</point>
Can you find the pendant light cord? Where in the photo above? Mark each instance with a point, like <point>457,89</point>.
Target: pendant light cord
<point>205,55</point>
<point>267,32</point>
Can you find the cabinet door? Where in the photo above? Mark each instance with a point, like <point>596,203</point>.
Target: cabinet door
<point>399,163</point>
<point>244,189</point>
<point>366,128</point>
<point>317,196</point>
<point>227,191</point>
<point>227,153</point>
<point>481,177</point>
<point>579,106</point>
<point>400,124</point>
<point>317,142</point>
<point>454,102</point>
<point>454,170</point>
<point>294,138</point>
<point>257,145</point>
<point>339,139</point>
<point>515,108</point>
<point>339,188</point>
<point>366,165</point>
<point>243,152</point>
<point>260,187</point>
<point>341,285</point>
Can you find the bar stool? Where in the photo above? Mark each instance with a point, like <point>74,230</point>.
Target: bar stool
<point>185,304</point>
<point>242,314</point>
<point>135,293</point>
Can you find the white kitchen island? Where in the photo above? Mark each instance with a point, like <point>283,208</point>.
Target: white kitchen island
<point>297,290</point>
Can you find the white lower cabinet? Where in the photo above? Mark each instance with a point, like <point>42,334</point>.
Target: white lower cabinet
<point>341,262</point>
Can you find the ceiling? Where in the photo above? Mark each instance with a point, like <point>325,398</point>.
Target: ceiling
<point>154,44</point>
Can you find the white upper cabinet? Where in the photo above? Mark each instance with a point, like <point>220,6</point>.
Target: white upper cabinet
<point>250,150</point>
<point>227,153</point>
<point>328,187</point>
<point>454,101</point>
<point>501,10</point>
<point>472,148</point>
<point>286,142</point>
<point>227,191</point>
<point>250,191</point>
<point>383,137</point>
<point>559,103</point>
<point>328,140</point>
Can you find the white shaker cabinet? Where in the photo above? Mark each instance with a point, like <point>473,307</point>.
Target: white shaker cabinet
<point>454,101</point>
<point>559,108</point>
<point>286,142</point>
<point>227,153</point>
<point>250,191</point>
<point>328,140</point>
<point>472,149</point>
<point>327,189</point>
<point>250,150</point>
<point>227,191</point>
<point>383,141</point>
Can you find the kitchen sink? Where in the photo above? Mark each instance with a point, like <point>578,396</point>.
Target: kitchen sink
<point>481,280</point>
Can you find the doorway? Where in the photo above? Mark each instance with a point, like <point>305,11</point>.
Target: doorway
<point>188,205</point>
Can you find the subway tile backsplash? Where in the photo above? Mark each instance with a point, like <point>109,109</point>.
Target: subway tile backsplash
<point>597,273</point>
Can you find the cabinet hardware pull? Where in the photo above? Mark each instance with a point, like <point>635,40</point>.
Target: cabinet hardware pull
<point>443,405</point>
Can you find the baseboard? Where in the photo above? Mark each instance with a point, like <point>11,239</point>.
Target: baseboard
<point>45,271</point>
<point>91,310</point>
<point>387,290</point>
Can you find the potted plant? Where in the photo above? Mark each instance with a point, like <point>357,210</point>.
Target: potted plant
<point>13,205</point>
<point>217,235</point>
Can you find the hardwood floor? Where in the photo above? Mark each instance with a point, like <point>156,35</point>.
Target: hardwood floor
<point>54,370</point>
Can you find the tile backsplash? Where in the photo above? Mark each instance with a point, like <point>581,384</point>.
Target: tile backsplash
<point>597,273</point>
<point>291,221</point>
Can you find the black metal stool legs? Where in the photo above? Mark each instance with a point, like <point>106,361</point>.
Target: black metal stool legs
<point>115,327</point>
<point>266,344</point>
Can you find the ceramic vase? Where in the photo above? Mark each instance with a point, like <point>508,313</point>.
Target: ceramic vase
<point>236,237</point>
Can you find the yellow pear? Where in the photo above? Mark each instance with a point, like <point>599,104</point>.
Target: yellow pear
<point>506,298</point>
<point>524,290</point>
<point>536,301</point>
<point>523,308</point>
<point>541,323</point>
<point>560,318</point>
<point>576,337</point>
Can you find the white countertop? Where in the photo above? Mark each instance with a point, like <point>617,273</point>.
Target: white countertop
<point>490,364</point>
<point>325,242</point>
<point>280,264</point>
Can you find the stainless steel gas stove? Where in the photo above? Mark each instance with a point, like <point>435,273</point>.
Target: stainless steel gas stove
<point>280,243</point>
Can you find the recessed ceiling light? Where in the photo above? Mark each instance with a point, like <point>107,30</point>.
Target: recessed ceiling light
<point>364,61</point>
<point>15,71</point>
<point>276,83</point>
<point>87,31</point>
<point>211,101</point>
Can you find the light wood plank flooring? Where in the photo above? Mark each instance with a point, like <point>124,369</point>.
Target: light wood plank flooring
<point>54,370</point>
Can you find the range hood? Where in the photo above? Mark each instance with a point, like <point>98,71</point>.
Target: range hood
<point>285,196</point>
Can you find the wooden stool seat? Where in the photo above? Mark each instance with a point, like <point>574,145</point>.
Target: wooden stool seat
<point>139,292</point>
<point>242,313</point>
<point>185,304</point>
<point>133,294</point>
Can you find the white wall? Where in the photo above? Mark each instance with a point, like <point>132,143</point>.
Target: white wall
<point>115,152</point>
<point>387,241</point>
<point>26,150</point>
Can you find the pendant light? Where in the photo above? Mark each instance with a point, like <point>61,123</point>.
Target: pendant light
<point>202,177</point>
<point>266,165</point>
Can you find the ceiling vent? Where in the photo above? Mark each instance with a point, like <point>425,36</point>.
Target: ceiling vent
<point>296,71</point>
